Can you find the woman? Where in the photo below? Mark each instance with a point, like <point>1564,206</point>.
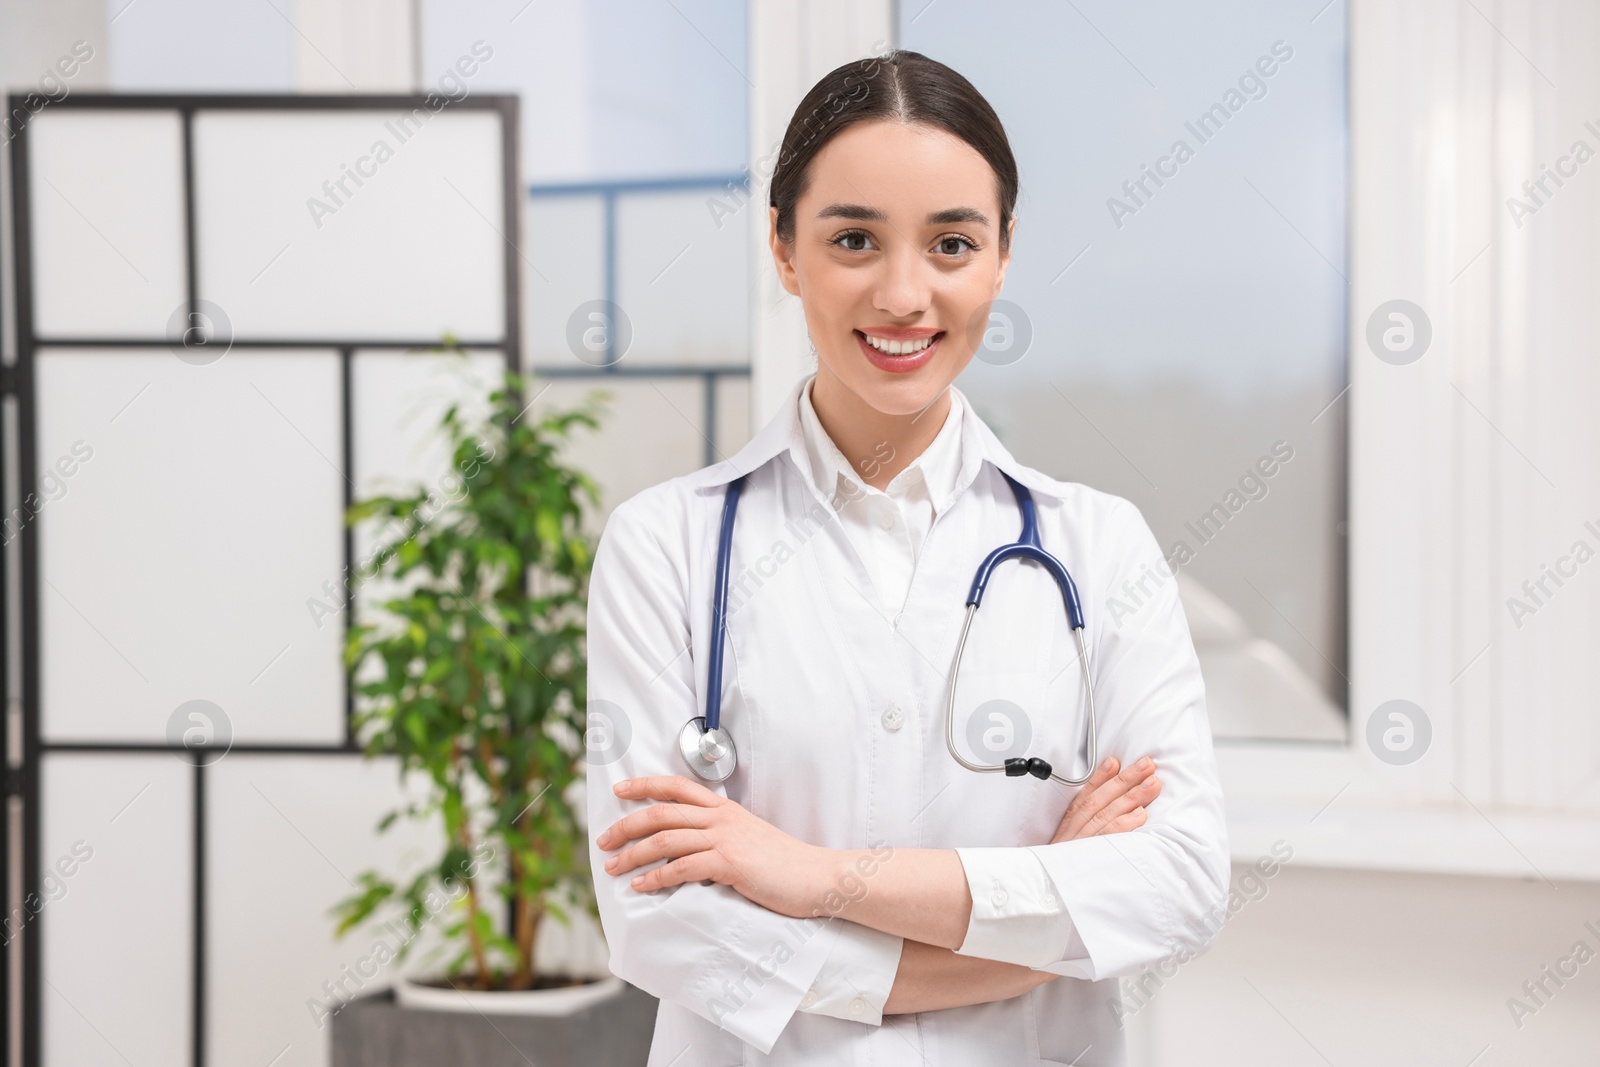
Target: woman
<point>852,894</point>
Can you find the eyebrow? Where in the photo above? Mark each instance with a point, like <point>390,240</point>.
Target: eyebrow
<point>864,213</point>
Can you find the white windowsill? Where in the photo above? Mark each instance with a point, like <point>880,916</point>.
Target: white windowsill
<point>1337,809</point>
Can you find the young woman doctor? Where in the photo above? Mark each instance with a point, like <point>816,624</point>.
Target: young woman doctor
<point>852,894</point>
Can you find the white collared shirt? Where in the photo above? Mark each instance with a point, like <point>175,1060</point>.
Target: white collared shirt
<point>838,715</point>
<point>887,528</point>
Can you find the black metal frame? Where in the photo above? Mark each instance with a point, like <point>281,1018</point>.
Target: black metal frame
<point>27,782</point>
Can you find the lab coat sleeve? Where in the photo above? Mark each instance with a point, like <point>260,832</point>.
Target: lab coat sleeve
<point>1160,891</point>
<point>699,945</point>
<point>856,978</point>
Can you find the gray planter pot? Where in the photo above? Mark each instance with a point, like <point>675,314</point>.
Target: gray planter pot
<point>374,1032</point>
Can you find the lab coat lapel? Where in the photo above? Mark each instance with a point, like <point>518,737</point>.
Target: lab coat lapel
<point>795,667</point>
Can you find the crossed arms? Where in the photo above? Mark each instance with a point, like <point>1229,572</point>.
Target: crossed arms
<point>920,895</point>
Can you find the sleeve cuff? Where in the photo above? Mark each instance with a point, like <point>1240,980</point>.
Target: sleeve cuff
<point>1017,914</point>
<point>855,979</point>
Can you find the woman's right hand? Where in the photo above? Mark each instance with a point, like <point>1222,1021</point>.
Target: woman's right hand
<point>1110,802</point>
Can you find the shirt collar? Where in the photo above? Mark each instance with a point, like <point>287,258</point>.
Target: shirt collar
<point>783,435</point>
<point>939,467</point>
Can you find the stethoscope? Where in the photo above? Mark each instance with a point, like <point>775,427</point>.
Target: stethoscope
<point>708,749</point>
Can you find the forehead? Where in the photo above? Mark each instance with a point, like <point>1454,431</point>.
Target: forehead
<point>902,169</point>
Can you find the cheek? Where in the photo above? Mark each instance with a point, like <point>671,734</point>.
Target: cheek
<point>834,300</point>
<point>832,290</point>
<point>968,305</point>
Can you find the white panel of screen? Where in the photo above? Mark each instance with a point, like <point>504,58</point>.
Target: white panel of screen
<point>105,193</point>
<point>288,838</point>
<point>347,225</point>
<point>186,514</point>
<point>116,878</point>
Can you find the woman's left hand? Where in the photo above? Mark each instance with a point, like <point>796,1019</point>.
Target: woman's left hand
<point>706,837</point>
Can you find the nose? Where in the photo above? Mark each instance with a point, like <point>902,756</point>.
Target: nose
<point>905,288</point>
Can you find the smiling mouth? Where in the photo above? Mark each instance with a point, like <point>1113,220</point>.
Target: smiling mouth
<point>899,348</point>
<point>899,357</point>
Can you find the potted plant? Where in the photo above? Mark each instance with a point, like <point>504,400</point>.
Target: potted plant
<point>471,670</point>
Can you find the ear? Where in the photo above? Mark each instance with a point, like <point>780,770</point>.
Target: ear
<point>782,255</point>
<point>1005,257</point>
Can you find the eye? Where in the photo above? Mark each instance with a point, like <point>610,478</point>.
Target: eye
<point>953,244</point>
<point>847,240</point>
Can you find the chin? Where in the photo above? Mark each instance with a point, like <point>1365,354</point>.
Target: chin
<point>899,394</point>
<point>908,398</point>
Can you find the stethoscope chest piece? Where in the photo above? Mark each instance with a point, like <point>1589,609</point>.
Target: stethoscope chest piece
<point>709,753</point>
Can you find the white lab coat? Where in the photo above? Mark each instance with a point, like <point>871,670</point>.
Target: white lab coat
<point>837,712</point>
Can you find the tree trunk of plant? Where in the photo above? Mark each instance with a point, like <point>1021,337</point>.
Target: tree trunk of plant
<point>480,960</point>
<point>528,916</point>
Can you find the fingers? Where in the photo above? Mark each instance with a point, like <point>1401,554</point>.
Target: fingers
<point>667,787</point>
<point>697,867</point>
<point>1091,801</point>
<point>1095,800</point>
<point>672,844</point>
<point>1136,799</point>
<point>1123,823</point>
<point>673,830</point>
<point>1101,775</point>
<point>655,818</point>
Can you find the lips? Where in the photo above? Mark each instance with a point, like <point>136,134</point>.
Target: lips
<point>899,364</point>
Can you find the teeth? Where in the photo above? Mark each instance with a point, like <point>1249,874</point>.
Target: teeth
<point>898,348</point>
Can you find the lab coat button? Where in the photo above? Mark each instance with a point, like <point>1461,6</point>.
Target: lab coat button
<point>1050,902</point>
<point>998,898</point>
<point>809,999</point>
<point>858,1007</point>
<point>893,717</point>
<point>887,520</point>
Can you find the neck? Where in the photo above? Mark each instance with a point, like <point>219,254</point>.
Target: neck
<point>878,445</point>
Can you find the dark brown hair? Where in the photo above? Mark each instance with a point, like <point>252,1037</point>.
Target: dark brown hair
<point>901,86</point>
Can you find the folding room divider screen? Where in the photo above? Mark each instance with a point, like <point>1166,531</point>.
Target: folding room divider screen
<point>220,299</point>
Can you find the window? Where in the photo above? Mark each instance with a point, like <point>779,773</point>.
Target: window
<point>634,254</point>
<point>1173,323</point>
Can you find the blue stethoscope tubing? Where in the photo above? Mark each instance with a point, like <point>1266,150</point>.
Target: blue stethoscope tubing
<point>705,746</point>
<point>708,749</point>
<point>1026,546</point>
